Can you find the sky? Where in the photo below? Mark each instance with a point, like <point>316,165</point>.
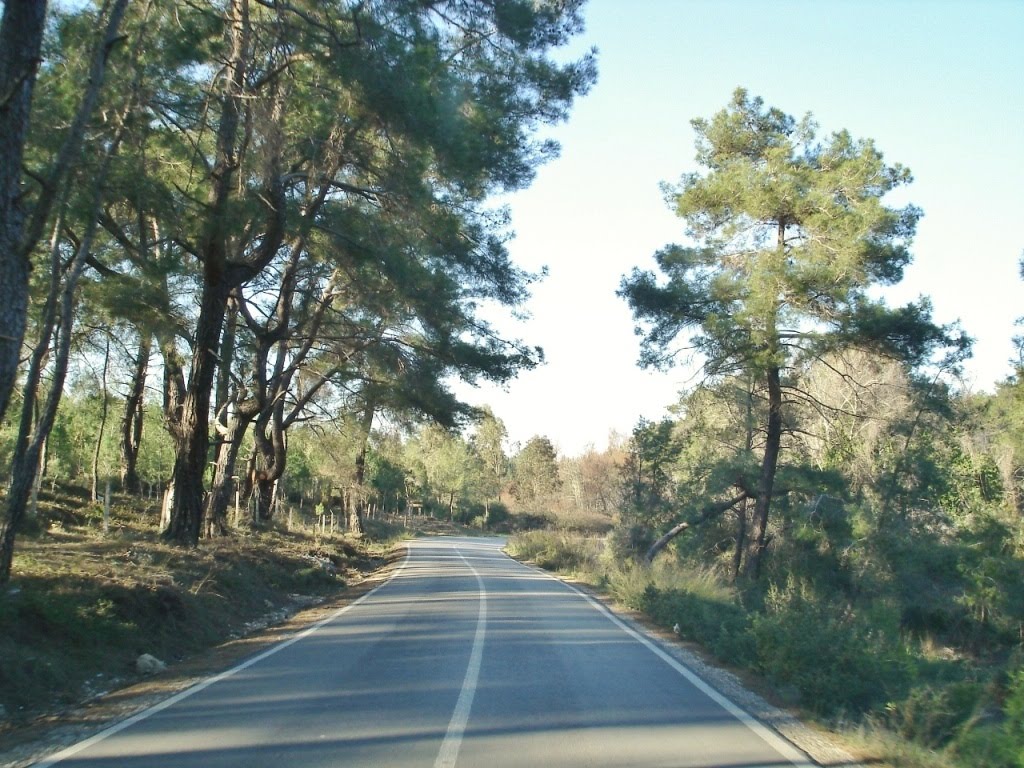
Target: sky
<point>939,86</point>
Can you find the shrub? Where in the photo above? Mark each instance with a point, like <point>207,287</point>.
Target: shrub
<point>497,515</point>
<point>997,743</point>
<point>721,627</point>
<point>837,661</point>
<point>932,714</point>
<point>530,521</point>
<point>554,551</point>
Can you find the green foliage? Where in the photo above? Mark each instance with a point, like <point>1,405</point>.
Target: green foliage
<point>535,471</point>
<point>445,469</point>
<point>1000,743</point>
<point>555,551</point>
<point>839,662</point>
<point>863,645</point>
<point>1014,711</point>
<point>488,442</point>
<point>386,477</point>
<point>723,627</point>
<point>646,473</point>
<point>496,516</point>
<point>932,714</point>
<point>791,233</point>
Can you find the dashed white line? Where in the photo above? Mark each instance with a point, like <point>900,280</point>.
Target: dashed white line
<point>449,751</point>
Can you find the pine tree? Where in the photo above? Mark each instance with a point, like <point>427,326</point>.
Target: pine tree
<point>789,236</point>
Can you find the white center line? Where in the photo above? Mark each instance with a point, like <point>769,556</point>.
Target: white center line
<point>449,751</point>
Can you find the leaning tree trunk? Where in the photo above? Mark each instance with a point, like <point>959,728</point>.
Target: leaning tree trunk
<point>710,511</point>
<point>21,36</point>
<point>59,315</point>
<point>58,311</point>
<point>235,413</point>
<point>766,482</point>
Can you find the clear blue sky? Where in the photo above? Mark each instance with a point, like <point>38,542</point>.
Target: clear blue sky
<point>938,84</point>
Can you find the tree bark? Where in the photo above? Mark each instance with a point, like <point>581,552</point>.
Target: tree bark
<point>190,431</point>
<point>131,423</point>
<point>21,37</point>
<point>357,521</point>
<point>58,313</point>
<point>29,445</point>
<point>712,510</point>
<point>221,276</point>
<point>743,510</point>
<point>769,464</point>
<point>239,417</point>
<point>742,519</point>
<point>21,33</point>
<point>104,410</point>
<point>227,357</point>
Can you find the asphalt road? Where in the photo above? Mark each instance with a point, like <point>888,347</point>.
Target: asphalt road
<point>465,657</point>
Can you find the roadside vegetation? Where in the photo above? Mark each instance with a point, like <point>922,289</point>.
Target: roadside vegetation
<point>828,508</point>
<point>890,603</point>
<point>246,249</point>
<point>912,698</point>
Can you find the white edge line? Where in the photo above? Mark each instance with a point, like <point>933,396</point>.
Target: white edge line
<point>776,741</point>
<point>448,754</point>
<point>106,733</point>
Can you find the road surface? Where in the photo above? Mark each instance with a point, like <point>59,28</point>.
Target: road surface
<point>464,657</point>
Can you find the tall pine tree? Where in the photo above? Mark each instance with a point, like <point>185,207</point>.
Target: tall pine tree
<point>789,235</point>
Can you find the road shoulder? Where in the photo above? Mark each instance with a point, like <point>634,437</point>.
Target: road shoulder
<point>23,747</point>
<point>820,746</point>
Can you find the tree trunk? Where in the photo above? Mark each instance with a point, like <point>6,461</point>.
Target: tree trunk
<point>743,510</point>
<point>263,490</point>
<point>58,315</point>
<point>165,506</point>
<point>21,33</point>
<point>238,420</point>
<point>742,517</point>
<point>227,358</point>
<point>365,426</point>
<point>21,36</point>
<point>104,409</point>
<point>766,482</point>
<point>29,444</point>
<point>190,430</point>
<point>271,450</point>
<point>131,423</point>
<point>356,519</point>
<point>232,420</point>
<point>712,510</point>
